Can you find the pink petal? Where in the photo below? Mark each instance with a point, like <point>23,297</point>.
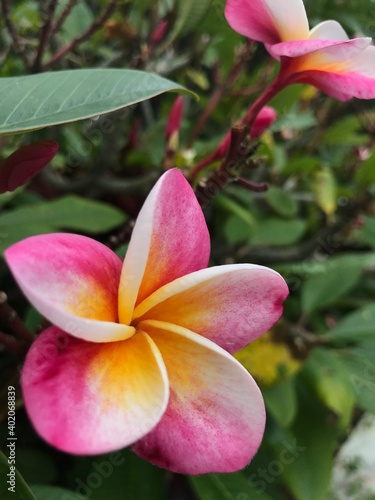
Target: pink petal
<point>73,281</point>
<point>329,30</point>
<point>268,21</point>
<point>353,78</point>
<point>87,398</point>
<point>170,239</point>
<point>324,50</point>
<point>215,417</point>
<point>342,86</point>
<point>230,305</point>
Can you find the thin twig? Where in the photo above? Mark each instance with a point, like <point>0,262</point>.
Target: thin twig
<point>17,40</point>
<point>46,34</point>
<point>11,344</point>
<point>10,318</point>
<point>98,23</point>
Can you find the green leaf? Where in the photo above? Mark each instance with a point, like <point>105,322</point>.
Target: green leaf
<point>68,212</point>
<point>322,290</point>
<point>54,493</point>
<point>21,490</point>
<point>326,373</point>
<point>360,362</point>
<point>345,131</point>
<point>281,202</point>
<point>236,230</point>
<point>368,230</point>
<point>189,15</point>
<point>37,101</point>
<point>308,471</point>
<point>281,401</point>
<point>278,232</point>
<point>225,487</point>
<point>356,327</point>
<point>121,474</point>
<point>325,191</point>
<point>365,174</point>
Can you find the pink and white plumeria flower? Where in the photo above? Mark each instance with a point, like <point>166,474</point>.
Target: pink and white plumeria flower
<point>323,56</point>
<point>139,351</point>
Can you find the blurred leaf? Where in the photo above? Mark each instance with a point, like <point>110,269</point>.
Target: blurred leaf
<point>308,475</point>
<point>225,487</point>
<point>236,230</point>
<point>189,15</point>
<point>68,212</point>
<point>121,474</point>
<point>356,327</point>
<point>22,491</point>
<point>43,492</point>
<point>71,95</point>
<point>295,119</point>
<point>281,201</point>
<point>316,266</point>
<point>360,363</point>
<point>36,466</point>
<point>322,290</point>
<point>236,209</point>
<point>198,78</point>
<point>302,164</point>
<point>368,230</point>
<point>78,20</point>
<point>365,174</point>
<point>325,191</point>
<point>345,131</point>
<point>329,377</point>
<point>278,232</point>
<point>281,401</point>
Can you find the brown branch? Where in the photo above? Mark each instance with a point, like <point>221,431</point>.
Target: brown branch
<point>10,319</point>
<point>97,24</point>
<point>11,344</point>
<point>17,40</point>
<point>242,59</point>
<point>64,14</point>
<point>46,34</point>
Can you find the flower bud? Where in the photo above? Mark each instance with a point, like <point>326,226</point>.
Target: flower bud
<point>24,163</point>
<point>159,32</point>
<point>266,117</point>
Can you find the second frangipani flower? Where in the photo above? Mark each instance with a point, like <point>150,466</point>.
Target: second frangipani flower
<point>323,56</point>
<point>138,353</point>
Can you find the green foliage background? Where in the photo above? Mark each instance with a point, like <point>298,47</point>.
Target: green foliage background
<point>315,225</point>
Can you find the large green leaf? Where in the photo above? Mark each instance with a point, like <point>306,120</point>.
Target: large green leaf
<point>226,487</point>
<point>68,212</point>
<point>21,490</point>
<point>37,101</point>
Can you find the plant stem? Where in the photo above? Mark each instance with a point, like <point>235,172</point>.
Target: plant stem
<point>46,34</point>
<point>10,318</point>
<point>97,24</point>
<point>17,40</point>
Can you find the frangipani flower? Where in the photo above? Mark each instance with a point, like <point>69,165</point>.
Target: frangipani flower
<point>139,351</point>
<point>323,56</point>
